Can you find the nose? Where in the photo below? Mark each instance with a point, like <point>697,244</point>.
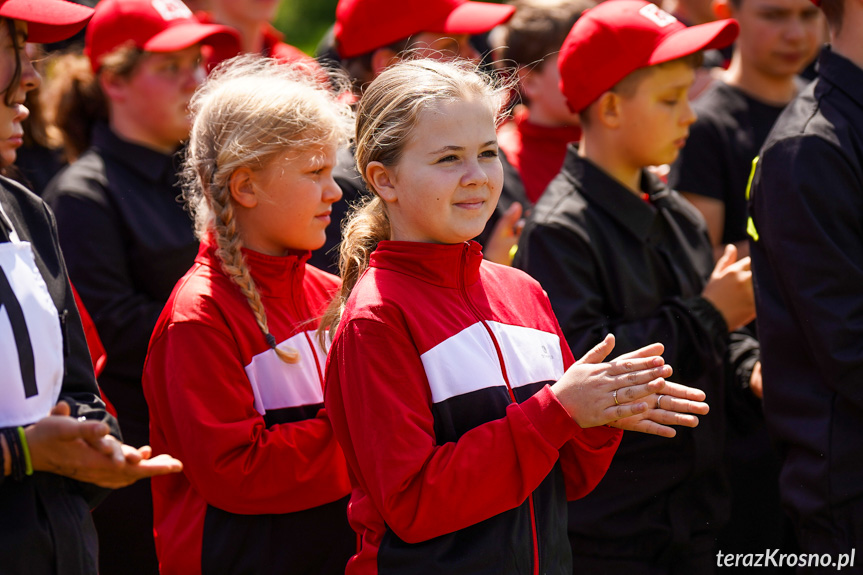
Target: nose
<point>475,175</point>
<point>331,192</point>
<point>795,30</point>
<point>689,116</point>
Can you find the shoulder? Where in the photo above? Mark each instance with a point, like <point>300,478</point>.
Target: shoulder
<point>203,295</point>
<point>561,206</point>
<point>84,179</point>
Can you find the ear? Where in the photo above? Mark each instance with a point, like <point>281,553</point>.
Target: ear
<point>242,188</point>
<point>383,58</point>
<point>381,179</point>
<point>607,110</point>
<point>113,85</point>
<point>722,9</point>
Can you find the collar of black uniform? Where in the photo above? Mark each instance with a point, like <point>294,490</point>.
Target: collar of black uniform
<point>842,73</point>
<point>632,212</point>
<point>146,162</point>
<point>275,276</point>
<point>445,265</point>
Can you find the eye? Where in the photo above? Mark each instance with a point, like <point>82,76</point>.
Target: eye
<point>447,159</point>
<point>670,101</point>
<point>489,154</point>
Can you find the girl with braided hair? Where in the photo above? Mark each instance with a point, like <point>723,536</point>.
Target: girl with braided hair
<point>234,374</point>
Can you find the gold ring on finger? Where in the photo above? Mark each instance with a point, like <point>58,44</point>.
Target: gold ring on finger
<point>614,397</point>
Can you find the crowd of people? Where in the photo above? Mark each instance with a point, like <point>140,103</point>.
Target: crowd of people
<point>469,291</point>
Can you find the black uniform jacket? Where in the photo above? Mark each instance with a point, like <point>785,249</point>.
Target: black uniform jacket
<point>613,262</point>
<point>45,524</point>
<point>127,239</point>
<point>807,256</point>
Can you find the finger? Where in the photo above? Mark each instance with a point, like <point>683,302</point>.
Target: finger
<point>673,404</point>
<point>728,257</point>
<point>644,426</point>
<point>599,352</point>
<point>145,451</point>
<point>632,383</point>
<point>646,351</point>
<point>159,465</point>
<point>623,367</point>
<point>684,391</point>
<point>91,431</point>
<point>513,214</point>
<point>624,410</point>
<point>671,418</point>
<point>132,455</point>
<point>62,408</point>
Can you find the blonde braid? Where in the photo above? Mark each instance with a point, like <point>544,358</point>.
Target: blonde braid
<point>234,265</point>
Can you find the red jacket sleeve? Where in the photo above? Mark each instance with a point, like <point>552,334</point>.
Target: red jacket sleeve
<point>202,408</point>
<point>379,400</point>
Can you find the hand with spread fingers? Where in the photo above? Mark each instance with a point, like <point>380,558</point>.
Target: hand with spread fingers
<point>630,392</point>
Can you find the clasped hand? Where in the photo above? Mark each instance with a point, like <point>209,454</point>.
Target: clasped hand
<point>83,450</point>
<point>630,392</point>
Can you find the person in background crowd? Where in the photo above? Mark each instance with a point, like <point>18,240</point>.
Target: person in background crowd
<point>535,142</point>
<point>806,206</point>
<point>465,421</point>
<point>371,35</point>
<point>59,448</point>
<point>125,236</point>
<point>618,252</point>
<point>234,374</point>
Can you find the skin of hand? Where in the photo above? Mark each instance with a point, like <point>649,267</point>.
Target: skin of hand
<point>83,450</point>
<point>730,289</point>
<point>756,385</point>
<point>678,402</point>
<point>504,237</point>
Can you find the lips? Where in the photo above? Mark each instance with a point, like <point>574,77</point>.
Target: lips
<point>471,203</point>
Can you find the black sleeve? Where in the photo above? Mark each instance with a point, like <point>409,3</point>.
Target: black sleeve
<point>700,169</point>
<point>95,251</point>
<point>814,241</point>
<point>693,331</point>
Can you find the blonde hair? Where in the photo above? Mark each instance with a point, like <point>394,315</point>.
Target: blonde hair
<point>247,114</point>
<point>386,117</point>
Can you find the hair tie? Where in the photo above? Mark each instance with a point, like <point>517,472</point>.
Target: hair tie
<point>271,340</point>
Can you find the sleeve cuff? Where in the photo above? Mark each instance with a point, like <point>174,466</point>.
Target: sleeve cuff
<point>550,417</point>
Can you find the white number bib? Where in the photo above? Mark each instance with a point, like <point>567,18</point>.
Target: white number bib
<point>31,344</point>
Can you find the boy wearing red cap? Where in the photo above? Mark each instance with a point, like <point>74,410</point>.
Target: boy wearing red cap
<point>535,142</point>
<point>806,207</point>
<point>371,35</point>
<point>125,237</point>
<point>618,252</point>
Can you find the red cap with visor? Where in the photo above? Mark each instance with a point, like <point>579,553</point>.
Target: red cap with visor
<point>150,25</point>
<point>617,37</point>
<point>47,20</point>
<point>365,25</point>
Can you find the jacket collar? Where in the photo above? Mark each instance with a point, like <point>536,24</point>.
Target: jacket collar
<point>842,73</point>
<point>444,265</point>
<point>149,164</point>
<point>631,212</point>
<point>275,276</point>
<point>551,137</point>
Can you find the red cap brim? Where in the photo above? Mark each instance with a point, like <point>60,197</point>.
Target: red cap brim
<point>476,18</point>
<point>47,20</point>
<point>709,36</point>
<point>182,36</point>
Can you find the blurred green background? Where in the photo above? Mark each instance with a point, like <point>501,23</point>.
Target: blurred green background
<point>304,22</point>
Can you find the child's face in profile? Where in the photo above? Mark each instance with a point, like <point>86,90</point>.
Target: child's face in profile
<point>295,193</point>
<point>448,181</point>
<point>654,121</point>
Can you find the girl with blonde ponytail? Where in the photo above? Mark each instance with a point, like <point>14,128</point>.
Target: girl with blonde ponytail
<point>234,374</point>
<point>465,420</point>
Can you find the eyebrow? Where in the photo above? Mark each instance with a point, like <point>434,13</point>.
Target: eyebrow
<point>460,148</point>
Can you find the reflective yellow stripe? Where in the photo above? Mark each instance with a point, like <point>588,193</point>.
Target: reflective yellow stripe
<point>750,225</point>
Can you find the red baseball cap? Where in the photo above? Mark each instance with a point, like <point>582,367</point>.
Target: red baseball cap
<point>365,25</point>
<point>151,25</point>
<point>47,20</point>
<point>613,39</point>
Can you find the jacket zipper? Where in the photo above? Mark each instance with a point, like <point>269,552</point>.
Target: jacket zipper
<point>463,290</point>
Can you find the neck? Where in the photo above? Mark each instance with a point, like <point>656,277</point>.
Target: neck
<point>606,156</point>
<point>130,131</point>
<point>771,89</point>
<point>538,117</point>
<point>251,31</point>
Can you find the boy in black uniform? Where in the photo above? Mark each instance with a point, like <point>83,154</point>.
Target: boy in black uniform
<point>807,252</point>
<point>778,38</point>
<point>619,252</point>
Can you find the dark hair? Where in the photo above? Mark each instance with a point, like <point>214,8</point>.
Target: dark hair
<point>538,29</point>
<point>359,68</point>
<point>9,93</point>
<point>834,12</point>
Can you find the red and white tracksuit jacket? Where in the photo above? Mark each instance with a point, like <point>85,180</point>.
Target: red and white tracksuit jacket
<point>461,458</point>
<point>264,484</point>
